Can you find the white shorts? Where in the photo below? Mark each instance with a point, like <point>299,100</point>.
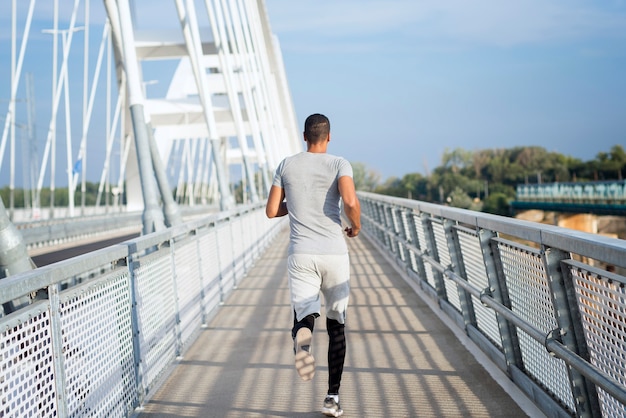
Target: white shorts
<point>310,274</point>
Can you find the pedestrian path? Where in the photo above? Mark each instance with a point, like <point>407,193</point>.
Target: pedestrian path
<point>402,360</point>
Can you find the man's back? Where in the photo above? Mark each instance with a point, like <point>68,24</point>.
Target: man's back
<point>310,181</point>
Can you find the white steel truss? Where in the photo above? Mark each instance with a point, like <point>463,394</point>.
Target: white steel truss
<point>222,124</point>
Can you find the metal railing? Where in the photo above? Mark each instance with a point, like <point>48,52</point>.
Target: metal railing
<point>545,304</point>
<point>103,328</point>
<point>49,232</point>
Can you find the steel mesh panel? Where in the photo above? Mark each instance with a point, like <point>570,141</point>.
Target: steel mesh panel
<point>26,359</point>
<point>225,253</point>
<point>188,287</point>
<point>247,231</point>
<point>156,315</point>
<point>415,241</point>
<point>393,219</point>
<point>602,305</point>
<point>400,250</point>
<point>238,247</point>
<point>530,298</point>
<point>418,237</point>
<point>477,276</point>
<point>210,270</point>
<point>421,237</point>
<point>404,225</point>
<point>98,348</point>
<point>452,291</point>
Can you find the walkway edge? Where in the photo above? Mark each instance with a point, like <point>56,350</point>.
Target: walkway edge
<point>498,375</point>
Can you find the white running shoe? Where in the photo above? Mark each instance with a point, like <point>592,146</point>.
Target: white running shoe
<point>331,407</point>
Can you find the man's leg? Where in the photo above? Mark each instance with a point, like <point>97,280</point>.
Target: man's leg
<point>336,289</point>
<point>302,334</point>
<point>306,322</point>
<point>304,283</point>
<point>336,357</point>
<point>336,354</point>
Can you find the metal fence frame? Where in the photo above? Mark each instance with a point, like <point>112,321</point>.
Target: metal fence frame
<point>547,305</point>
<point>104,328</point>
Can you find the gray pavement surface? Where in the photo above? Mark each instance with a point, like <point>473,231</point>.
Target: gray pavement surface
<point>402,360</point>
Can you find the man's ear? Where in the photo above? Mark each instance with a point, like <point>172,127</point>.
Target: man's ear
<point>304,136</point>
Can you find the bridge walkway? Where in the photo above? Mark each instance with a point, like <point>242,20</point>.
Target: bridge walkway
<point>402,360</point>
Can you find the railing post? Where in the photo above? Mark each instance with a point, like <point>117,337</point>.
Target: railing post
<point>57,348</point>
<point>419,261</point>
<point>378,215</point>
<point>233,258</point>
<point>177,328</point>
<point>219,261</point>
<point>431,248</point>
<point>497,289</point>
<point>198,246</point>
<point>388,222</point>
<point>570,330</point>
<point>400,232</point>
<point>458,267</point>
<point>134,320</point>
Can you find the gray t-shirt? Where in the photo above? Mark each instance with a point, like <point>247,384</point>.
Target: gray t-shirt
<point>311,188</point>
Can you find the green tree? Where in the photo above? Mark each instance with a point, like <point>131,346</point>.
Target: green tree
<point>364,179</point>
<point>498,204</point>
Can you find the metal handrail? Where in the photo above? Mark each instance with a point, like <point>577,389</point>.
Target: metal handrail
<point>423,238</point>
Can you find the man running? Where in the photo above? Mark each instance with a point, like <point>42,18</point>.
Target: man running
<point>308,187</point>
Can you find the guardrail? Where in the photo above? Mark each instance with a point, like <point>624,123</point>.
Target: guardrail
<point>50,232</point>
<point>105,327</point>
<point>545,304</point>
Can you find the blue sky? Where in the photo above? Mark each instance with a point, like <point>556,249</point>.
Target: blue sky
<point>404,80</point>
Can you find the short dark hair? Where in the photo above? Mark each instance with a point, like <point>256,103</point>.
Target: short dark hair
<point>316,128</point>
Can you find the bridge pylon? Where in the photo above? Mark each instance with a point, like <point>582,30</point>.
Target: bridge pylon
<point>226,119</point>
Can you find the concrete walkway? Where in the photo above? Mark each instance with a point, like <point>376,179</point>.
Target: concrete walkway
<point>402,360</point>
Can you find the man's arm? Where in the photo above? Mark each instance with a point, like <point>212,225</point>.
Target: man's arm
<point>351,205</point>
<point>275,207</point>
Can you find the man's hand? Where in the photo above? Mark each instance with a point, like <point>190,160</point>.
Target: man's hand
<point>352,232</point>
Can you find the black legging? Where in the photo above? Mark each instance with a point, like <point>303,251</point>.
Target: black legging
<point>336,354</point>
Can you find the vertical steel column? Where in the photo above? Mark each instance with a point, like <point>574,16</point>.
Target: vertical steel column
<point>57,350</point>
<point>194,49</point>
<point>401,242</point>
<point>152,216</point>
<point>171,212</point>
<point>239,48</point>
<point>56,92</point>
<point>10,118</point>
<point>224,54</point>
<point>419,261</point>
<point>269,131</point>
<point>177,328</point>
<point>570,330</point>
<point>385,221</point>
<point>138,364</point>
<point>218,261</point>
<point>14,257</point>
<point>201,275</point>
<point>431,250</point>
<point>255,90</point>
<point>497,290</point>
<point>458,267</point>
